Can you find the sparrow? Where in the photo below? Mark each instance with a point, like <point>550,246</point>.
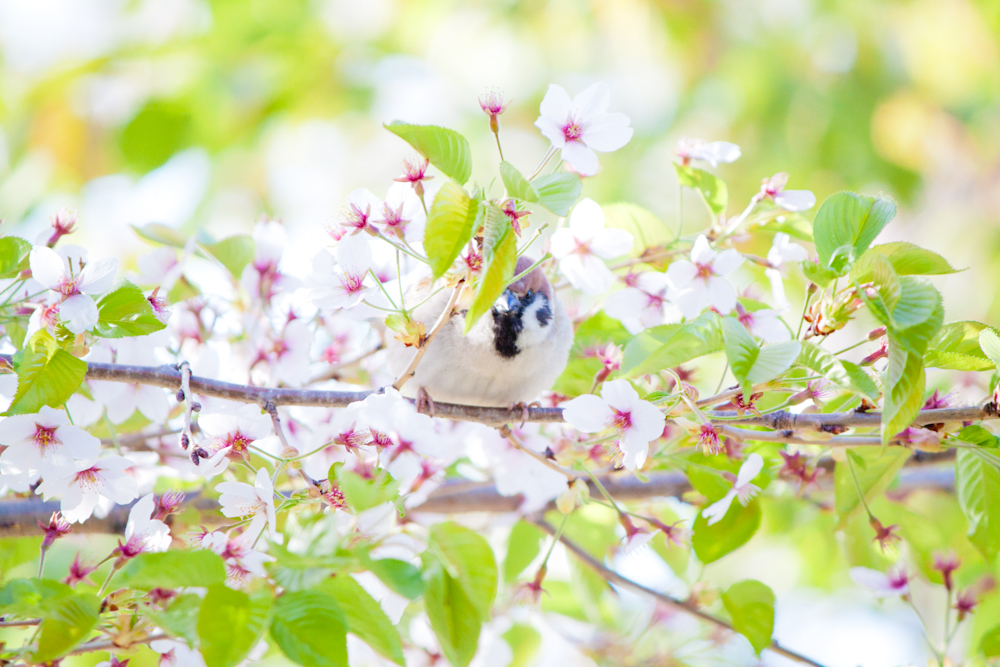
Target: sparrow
<point>514,352</point>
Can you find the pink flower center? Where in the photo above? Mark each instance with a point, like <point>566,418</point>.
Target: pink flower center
<point>238,442</point>
<point>88,479</point>
<point>394,217</point>
<point>572,131</point>
<point>704,271</point>
<point>621,420</point>
<point>69,286</point>
<point>352,283</point>
<point>357,218</point>
<point>45,436</point>
<point>381,439</point>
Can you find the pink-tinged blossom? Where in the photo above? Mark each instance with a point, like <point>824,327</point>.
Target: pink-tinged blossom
<point>62,223</point>
<point>44,444</point>
<point>635,536</point>
<point>68,273</point>
<point>713,152</point>
<point>343,285</point>
<point>896,582</point>
<point>493,104</point>
<point>233,429</point>
<point>289,355</point>
<point>791,200</point>
<point>644,303</point>
<point>402,215</point>
<point>782,252</point>
<point>54,529</point>
<point>414,174</point>
<point>362,210</point>
<point>144,534</point>
<point>242,561</point>
<point>582,248</point>
<point>634,422</point>
<point>174,653</point>
<point>78,572</point>
<point>742,489</point>
<point>122,399</point>
<point>241,500</point>
<point>91,480</point>
<point>582,125</point>
<point>765,324</point>
<point>701,283</point>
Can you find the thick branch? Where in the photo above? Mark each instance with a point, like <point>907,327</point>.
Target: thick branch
<point>685,606</point>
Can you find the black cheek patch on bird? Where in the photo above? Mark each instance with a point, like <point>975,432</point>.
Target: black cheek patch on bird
<point>544,315</point>
<point>506,327</point>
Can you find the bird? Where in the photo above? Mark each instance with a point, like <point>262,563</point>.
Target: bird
<point>514,352</point>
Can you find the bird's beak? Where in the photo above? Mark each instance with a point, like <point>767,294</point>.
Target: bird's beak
<point>507,302</point>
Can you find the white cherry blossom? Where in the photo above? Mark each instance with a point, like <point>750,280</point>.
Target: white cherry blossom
<point>44,444</point>
<point>91,481</point>
<point>68,273</point>
<point>229,432</point>
<point>742,489</point>
<point>896,582</point>
<point>782,252</point>
<point>765,323</point>
<point>701,283</point>
<point>342,285</point>
<point>241,559</point>
<point>143,533</point>
<point>363,209</point>
<point>582,248</point>
<point>712,152</point>
<point>240,500</point>
<point>634,422</point>
<point>174,653</point>
<point>645,303</point>
<point>402,214</point>
<point>791,200</point>
<point>582,125</point>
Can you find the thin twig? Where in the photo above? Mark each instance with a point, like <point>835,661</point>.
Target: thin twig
<point>185,369</point>
<point>686,606</point>
<point>110,645</point>
<point>441,321</point>
<point>506,432</point>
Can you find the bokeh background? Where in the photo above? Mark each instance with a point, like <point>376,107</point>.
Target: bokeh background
<point>210,114</point>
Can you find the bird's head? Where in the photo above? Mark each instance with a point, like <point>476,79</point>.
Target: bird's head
<point>522,316</point>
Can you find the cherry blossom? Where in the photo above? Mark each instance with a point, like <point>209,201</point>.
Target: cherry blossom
<point>290,354</point>
<point>714,152</point>
<point>782,252</point>
<point>174,653</point>
<point>742,489</point>
<point>240,500</point>
<point>701,283</point>
<point>241,559</point>
<point>91,480</point>
<point>342,286</point>
<point>645,303</point>
<point>402,214</point>
<point>44,444</point>
<point>515,472</point>
<point>791,200</point>
<point>68,273</point>
<point>142,532</point>
<point>765,324</point>
<point>414,175</point>
<point>582,125</point>
<point>362,210</point>
<point>233,429</point>
<point>896,582</point>
<point>634,422</point>
<point>582,248</point>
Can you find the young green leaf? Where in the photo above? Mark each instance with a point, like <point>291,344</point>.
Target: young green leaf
<point>173,569</point>
<point>977,484</point>
<point>517,185</point>
<point>230,623</point>
<point>904,396</point>
<point>989,342</point>
<point>447,150</point>
<point>558,192</point>
<point>843,373</point>
<point>125,311</point>
<point>14,253</point>
<point>956,346</point>
<point>710,543</point>
<point>46,375</point>
<point>875,469</point>
<point>180,617</point>
<point>909,260</point>
<point>234,253</point>
<point>362,493</point>
<point>468,558</point>
<point>401,577</point>
<point>524,543</point>
<point>454,619</point>
<point>364,616</point>
<point>310,628</point>
<point>669,345</point>
<point>453,219</point>
<point>752,364</point>
<point>499,261</point>
<point>846,224</point>
<point>66,624</point>
<point>33,597</point>
<point>751,606</point>
<point>712,188</point>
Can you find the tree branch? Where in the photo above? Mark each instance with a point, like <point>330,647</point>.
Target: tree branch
<point>685,606</point>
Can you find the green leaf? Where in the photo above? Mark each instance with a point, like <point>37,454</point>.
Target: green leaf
<point>990,643</point>
<point>46,375</point>
<point>843,373</point>
<point>908,259</point>
<point>974,434</point>
<point>904,396</point>
<point>364,617</point>
<point>989,342</point>
<point>454,619</point>
<point>230,623</point>
<point>234,253</point>
<point>735,529</point>
<point>447,150</point>
<point>517,186</point>
<point>14,253</point>
<point>523,545</point>
<point>559,191</point>
<point>311,629</point>
<point>160,234</point>
<point>33,597</point>
<point>670,345</point>
<point>977,485</point>
<point>917,316</point>
<point>820,275</point>
<point>645,227</point>
<point>125,311</point>
<point>469,559</point>
<point>524,642</point>
<point>751,364</point>
<point>453,219</point>
<point>751,606</point>
<point>956,346</point>
<point>401,577</point>
<point>362,493</point>
<point>846,224</point>
<point>712,188</point>
<point>499,262</point>
<point>66,624</point>
<point>180,618</point>
<point>173,569</point>
<point>875,468</point>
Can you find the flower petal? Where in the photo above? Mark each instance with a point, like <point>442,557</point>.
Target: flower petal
<point>681,273</point>
<point>795,200</point>
<point>551,130</point>
<point>580,157</point>
<point>607,132</point>
<point>47,267</point>
<point>586,220</point>
<point>587,413</point>
<point>726,262</point>
<point>718,509</point>
<point>750,469</point>
<point>721,294</point>
<point>556,104</point>
<point>609,243</point>
<point>98,277</point>
<point>79,313</point>
<point>593,101</point>
<point>620,395</point>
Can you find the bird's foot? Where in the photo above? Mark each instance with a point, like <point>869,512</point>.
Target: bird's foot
<point>524,408</point>
<point>425,404</point>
